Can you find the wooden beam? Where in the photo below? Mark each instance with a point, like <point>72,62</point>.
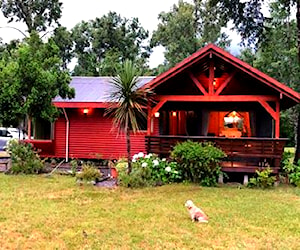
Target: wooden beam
<point>268,108</point>
<point>225,83</point>
<point>211,77</point>
<point>213,98</point>
<point>158,106</point>
<point>198,84</point>
<point>149,120</point>
<point>29,127</point>
<point>277,121</point>
<point>253,72</point>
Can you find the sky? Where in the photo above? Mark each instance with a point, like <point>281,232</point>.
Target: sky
<point>74,11</point>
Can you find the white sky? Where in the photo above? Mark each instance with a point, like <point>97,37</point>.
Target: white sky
<point>75,11</point>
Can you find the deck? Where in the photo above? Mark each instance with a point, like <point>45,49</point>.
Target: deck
<point>244,154</point>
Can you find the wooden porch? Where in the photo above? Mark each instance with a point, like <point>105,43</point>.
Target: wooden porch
<point>244,154</point>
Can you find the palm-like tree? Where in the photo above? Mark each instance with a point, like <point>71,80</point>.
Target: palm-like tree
<point>128,102</point>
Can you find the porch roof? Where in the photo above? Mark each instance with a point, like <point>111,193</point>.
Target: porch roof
<point>211,49</point>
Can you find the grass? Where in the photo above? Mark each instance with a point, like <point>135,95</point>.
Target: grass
<point>55,213</point>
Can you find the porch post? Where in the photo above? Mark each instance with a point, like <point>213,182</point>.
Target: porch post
<point>149,118</point>
<point>211,77</point>
<point>277,120</point>
<point>29,128</point>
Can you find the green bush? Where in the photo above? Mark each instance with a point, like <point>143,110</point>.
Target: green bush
<point>198,162</point>
<point>74,165</point>
<point>89,173</point>
<point>148,170</point>
<point>25,160</point>
<point>292,171</point>
<point>263,179</point>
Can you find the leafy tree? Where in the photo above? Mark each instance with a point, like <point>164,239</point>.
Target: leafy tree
<point>188,27</point>
<point>128,102</point>
<point>252,25</point>
<point>30,79</point>
<point>107,41</point>
<point>38,15</point>
<point>63,39</point>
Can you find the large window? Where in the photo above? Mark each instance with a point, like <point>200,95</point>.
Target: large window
<point>42,129</point>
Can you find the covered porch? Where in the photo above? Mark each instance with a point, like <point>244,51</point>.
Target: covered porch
<point>213,96</point>
<point>246,131</point>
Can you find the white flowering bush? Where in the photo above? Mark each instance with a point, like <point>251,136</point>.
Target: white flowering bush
<point>149,170</point>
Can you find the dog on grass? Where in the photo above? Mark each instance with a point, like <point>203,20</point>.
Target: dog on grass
<point>195,212</point>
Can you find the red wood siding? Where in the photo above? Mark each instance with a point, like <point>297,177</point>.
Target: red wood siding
<point>60,137</point>
<point>91,136</point>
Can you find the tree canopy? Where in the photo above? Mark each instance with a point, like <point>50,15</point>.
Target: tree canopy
<point>38,15</point>
<point>105,42</point>
<point>29,79</point>
<point>188,27</point>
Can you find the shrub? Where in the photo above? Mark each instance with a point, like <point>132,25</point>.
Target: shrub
<point>198,162</point>
<point>89,173</point>
<point>148,170</point>
<point>74,165</point>
<point>264,179</point>
<point>25,160</point>
<point>293,172</point>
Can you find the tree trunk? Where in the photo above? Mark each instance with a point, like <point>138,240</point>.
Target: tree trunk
<point>297,153</point>
<point>128,149</point>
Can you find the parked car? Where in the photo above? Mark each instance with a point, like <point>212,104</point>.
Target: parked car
<point>16,133</point>
<point>7,134</point>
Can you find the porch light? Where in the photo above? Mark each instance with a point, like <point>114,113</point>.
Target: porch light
<point>174,113</point>
<point>156,114</point>
<point>215,82</point>
<point>85,111</point>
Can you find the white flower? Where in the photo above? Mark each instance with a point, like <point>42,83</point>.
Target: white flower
<point>144,164</point>
<point>140,154</point>
<point>163,159</point>
<point>147,156</point>
<point>168,169</point>
<point>175,172</point>
<point>155,162</point>
<point>135,156</point>
<point>150,154</point>
<point>133,160</point>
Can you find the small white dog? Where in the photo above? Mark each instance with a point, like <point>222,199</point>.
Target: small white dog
<point>195,212</point>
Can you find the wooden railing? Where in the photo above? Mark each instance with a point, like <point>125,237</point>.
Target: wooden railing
<point>244,154</point>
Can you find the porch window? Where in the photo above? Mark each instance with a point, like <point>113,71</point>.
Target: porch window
<point>233,125</point>
<point>229,124</point>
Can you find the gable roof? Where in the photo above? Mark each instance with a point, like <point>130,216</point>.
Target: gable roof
<point>91,90</point>
<point>212,49</point>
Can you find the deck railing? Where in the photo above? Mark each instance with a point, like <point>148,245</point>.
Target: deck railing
<point>243,154</point>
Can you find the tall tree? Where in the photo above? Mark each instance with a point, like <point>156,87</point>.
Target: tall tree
<point>188,27</point>
<point>38,15</point>
<point>277,56</point>
<point>250,22</point>
<point>30,79</point>
<point>127,102</point>
<point>107,41</point>
<point>63,39</point>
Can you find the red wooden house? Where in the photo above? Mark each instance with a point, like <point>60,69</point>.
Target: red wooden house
<point>209,96</point>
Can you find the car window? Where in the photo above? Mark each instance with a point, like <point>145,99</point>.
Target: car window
<point>5,133</point>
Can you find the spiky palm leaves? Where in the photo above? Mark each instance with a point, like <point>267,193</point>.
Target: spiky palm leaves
<point>128,102</point>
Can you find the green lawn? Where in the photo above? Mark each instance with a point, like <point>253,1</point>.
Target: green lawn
<point>53,213</point>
